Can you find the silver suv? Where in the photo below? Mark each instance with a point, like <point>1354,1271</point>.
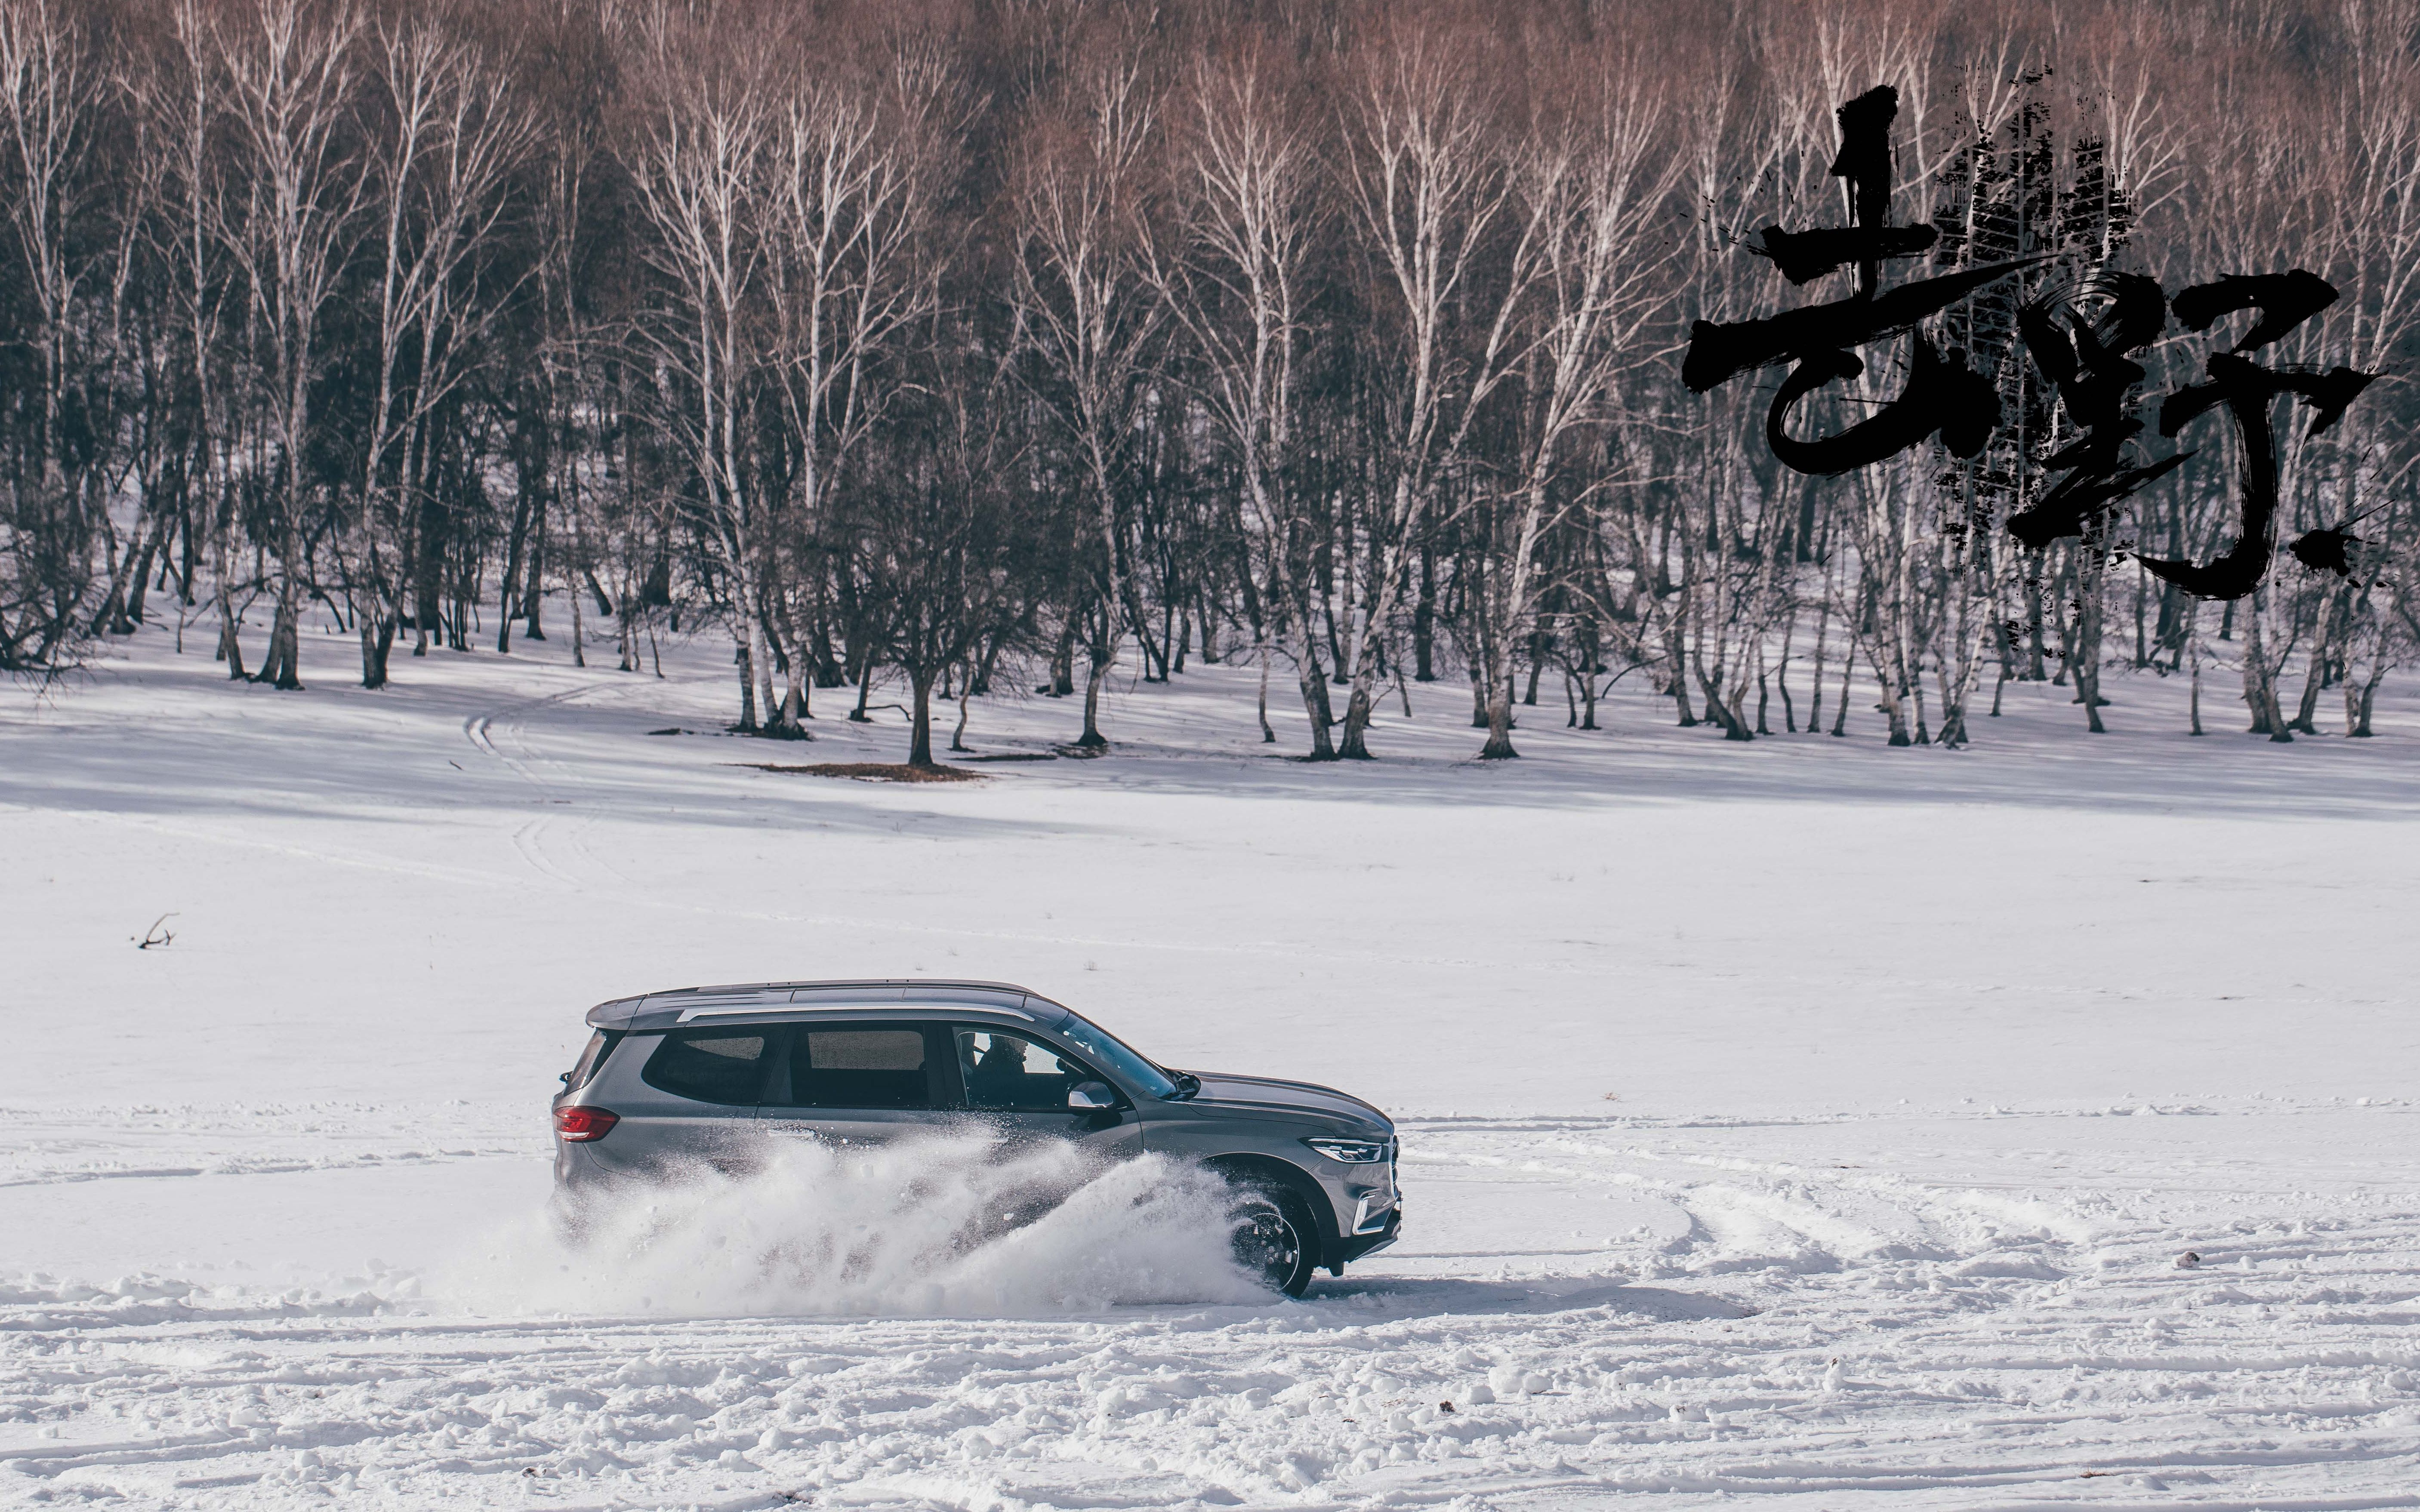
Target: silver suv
<point>671,1080</point>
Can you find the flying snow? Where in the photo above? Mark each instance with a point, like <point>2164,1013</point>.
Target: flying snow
<point>945,1226</point>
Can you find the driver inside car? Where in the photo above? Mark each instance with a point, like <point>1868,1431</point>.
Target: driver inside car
<point>996,1075</point>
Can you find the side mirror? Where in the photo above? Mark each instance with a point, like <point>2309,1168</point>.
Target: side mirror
<point>1092,1096</point>
<point>564,1078</point>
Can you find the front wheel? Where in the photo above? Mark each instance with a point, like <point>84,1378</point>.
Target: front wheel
<point>1275,1242</point>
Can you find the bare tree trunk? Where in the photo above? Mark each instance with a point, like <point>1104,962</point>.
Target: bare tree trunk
<point>1269,736</point>
<point>1848,670</point>
<point>230,645</point>
<point>281,668</point>
<point>1062,661</point>
<point>1761,693</point>
<point>2261,673</point>
<point>1103,654</point>
<point>2361,729</point>
<point>572,584</point>
<point>2084,644</point>
<point>794,690</point>
<point>1676,645</point>
<point>1500,720</point>
<point>377,640</point>
<point>110,617</point>
<point>762,657</point>
<point>1312,684</point>
<point>2334,603</point>
<point>534,576</point>
<point>1781,672</point>
<point>1719,710</point>
<point>920,742</point>
<point>506,592</point>
<point>2192,654</point>
<point>864,690</point>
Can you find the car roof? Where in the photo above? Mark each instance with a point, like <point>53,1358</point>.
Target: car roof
<point>797,1000</point>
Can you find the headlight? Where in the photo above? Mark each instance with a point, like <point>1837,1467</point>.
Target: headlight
<point>1351,1151</point>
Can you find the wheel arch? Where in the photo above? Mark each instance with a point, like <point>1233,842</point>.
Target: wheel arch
<point>1252,1169</point>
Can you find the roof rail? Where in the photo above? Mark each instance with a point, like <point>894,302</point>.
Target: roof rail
<point>1009,988</point>
<point>663,1010</point>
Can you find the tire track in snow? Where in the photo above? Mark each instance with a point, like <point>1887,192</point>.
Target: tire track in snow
<point>503,734</point>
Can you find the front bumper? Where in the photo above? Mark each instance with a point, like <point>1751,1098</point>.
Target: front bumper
<point>1353,1246</point>
<point>1368,1207</point>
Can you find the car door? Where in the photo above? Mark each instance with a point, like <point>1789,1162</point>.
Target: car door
<point>855,1082</point>
<point>1017,1084</point>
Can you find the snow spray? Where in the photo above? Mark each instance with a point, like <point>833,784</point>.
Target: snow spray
<point>939,1227</point>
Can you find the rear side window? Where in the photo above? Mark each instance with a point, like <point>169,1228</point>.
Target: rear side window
<point>591,1060</point>
<point>859,1068</point>
<point>724,1066</point>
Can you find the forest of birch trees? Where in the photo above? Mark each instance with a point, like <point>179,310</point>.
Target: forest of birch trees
<point>933,344</point>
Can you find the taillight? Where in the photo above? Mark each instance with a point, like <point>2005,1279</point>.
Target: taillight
<point>579,1125</point>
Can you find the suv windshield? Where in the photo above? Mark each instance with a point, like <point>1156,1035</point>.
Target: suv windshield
<point>1107,1048</point>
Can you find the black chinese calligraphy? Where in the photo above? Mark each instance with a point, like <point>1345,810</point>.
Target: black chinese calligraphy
<point>2247,390</point>
<point>2080,334</point>
<point>2327,550</point>
<point>2084,357</point>
<point>1942,396</point>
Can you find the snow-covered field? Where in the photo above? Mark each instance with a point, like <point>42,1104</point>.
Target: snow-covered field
<point>1803,1120</point>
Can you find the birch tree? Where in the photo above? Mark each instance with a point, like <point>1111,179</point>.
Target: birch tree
<point>50,104</point>
<point>1084,309</point>
<point>289,69</point>
<point>697,169</point>
<point>1590,187</point>
<point>1232,265</point>
<point>854,181</point>
<point>1428,177</point>
<point>449,133</point>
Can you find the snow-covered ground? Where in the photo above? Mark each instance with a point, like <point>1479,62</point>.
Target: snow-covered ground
<point>1803,1120</point>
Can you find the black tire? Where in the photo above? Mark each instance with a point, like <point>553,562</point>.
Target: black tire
<point>1275,1240</point>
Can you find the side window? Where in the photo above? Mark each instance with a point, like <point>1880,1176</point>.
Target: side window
<point>1012,1072</point>
<point>591,1060</point>
<point>724,1066</point>
<point>860,1066</point>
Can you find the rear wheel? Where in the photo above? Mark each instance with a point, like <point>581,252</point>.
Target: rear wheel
<point>1275,1241</point>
